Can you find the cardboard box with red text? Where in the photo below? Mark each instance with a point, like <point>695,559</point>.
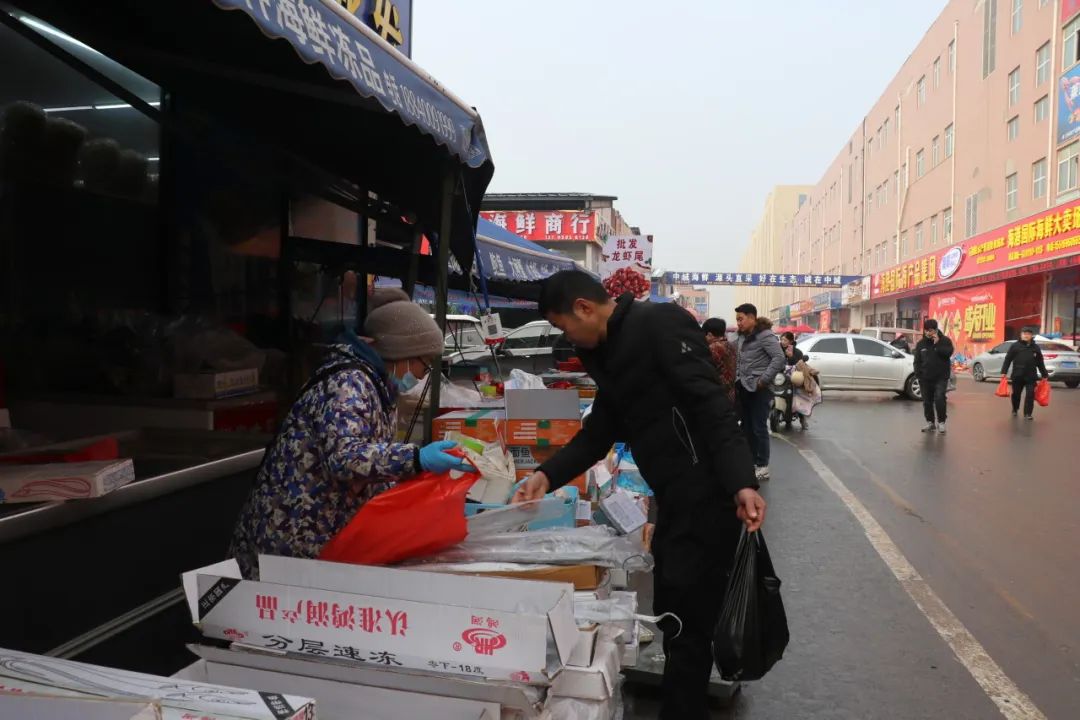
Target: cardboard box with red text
<point>486,425</point>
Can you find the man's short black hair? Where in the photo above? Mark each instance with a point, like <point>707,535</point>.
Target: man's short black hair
<point>747,309</point>
<point>715,326</point>
<point>558,292</point>
<point>930,324</point>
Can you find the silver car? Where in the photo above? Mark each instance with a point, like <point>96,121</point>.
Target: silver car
<point>1062,362</point>
<point>854,362</point>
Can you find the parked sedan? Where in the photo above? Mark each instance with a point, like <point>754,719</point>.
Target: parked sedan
<point>527,348</point>
<point>853,362</point>
<point>1062,362</point>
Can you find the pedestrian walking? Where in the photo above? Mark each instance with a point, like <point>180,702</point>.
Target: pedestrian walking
<point>933,366</point>
<point>901,343</point>
<point>792,357</point>
<point>759,359</point>
<point>658,391</point>
<point>1025,357</point>
<point>723,356</point>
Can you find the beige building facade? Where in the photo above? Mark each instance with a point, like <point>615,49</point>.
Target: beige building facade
<point>973,145</point>
<point>763,254</point>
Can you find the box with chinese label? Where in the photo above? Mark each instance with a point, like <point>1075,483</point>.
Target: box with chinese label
<point>63,480</point>
<point>49,677</point>
<point>543,418</point>
<point>486,425</point>
<point>215,385</point>
<point>386,617</point>
<point>528,458</point>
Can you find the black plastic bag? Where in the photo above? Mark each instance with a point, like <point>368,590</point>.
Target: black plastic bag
<point>752,632</point>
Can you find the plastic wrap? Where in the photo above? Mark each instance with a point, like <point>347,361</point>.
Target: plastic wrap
<point>564,546</point>
<point>514,517</point>
<point>565,708</point>
<point>521,380</point>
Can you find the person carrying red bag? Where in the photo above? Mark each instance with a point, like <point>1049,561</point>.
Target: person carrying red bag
<point>336,450</point>
<point>1026,359</point>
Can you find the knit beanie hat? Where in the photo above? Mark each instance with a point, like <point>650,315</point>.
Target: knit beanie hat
<point>400,328</point>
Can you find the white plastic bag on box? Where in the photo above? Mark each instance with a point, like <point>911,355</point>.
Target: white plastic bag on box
<point>521,380</point>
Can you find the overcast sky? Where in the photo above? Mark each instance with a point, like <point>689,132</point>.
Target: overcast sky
<point>688,111</point>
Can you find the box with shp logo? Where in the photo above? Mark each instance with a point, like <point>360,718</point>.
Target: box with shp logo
<point>542,418</point>
<point>389,618</point>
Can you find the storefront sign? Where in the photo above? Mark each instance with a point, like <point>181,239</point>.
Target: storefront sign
<point>856,291</point>
<point>1051,237</point>
<point>546,226</point>
<point>392,19</point>
<point>758,279</point>
<point>1068,9</point>
<point>825,321</point>
<point>1068,116</point>
<point>973,318</point>
<point>801,308</point>
<point>626,251</point>
<point>826,301</point>
<point>323,33</point>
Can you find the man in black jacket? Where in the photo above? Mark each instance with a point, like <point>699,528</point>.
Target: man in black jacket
<point>658,391</point>
<point>1026,359</point>
<point>933,365</point>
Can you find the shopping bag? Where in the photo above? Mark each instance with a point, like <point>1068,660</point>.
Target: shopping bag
<point>1042,392</point>
<point>752,632</point>
<point>1003,387</point>
<point>413,519</point>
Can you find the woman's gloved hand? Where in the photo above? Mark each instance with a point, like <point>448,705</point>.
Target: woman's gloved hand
<point>434,458</point>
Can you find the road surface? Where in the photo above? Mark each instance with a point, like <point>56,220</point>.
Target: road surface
<point>982,524</point>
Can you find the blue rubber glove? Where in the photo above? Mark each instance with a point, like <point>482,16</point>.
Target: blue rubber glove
<point>434,458</point>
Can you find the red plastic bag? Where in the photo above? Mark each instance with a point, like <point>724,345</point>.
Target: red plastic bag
<point>1003,387</point>
<point>1042,392</point>
<point>413,519</point>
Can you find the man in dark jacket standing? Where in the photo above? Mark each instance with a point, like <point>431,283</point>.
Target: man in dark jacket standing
<point>760,359</point>
<point>933,365</point>
<point>1026,359</point>
<point>658,391</point>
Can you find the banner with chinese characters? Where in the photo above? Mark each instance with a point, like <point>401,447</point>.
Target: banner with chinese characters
<point>1068,116</point>
<point>546,225</point>
<point>323,33</point>
<point>626,251</point>
<point>973,318</point>
<point>758,279</point>
<point>1049,240</point>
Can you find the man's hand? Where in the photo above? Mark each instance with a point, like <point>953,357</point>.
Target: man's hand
<point>935,337</point>
<point>534,488</point>
<point>750,508</point>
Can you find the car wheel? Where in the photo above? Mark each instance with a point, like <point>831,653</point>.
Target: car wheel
<point>1072,384</point>
<point>913,388</point>
<point>978,372</point>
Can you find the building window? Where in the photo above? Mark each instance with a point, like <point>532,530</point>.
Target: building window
<point>1042,64</point>
<point>1038,179</point>
<point>937,73</point>
<point>946,225</point>
<point>935,151</point>
<point>1042,108</point>
<point>869,203</point>
<point>920,92</point>
<point>885,131</point>
<point>1017,16</point>
<point>1012,191</point>
<point>949,141</point>
<point>1068,158</point>
<point>885,190</point>
<point>920,166</point>
<point>903,244</point>
<point>933,231</point>
<point>918,236</point>
<point>989,56</point>
<point>1013,127</point>
<point>896,118</point>
<point>1071,47</point>
<point>1014,87</point>
<point>952,56</point>
<point>971,216</point>
<point>896,182</point>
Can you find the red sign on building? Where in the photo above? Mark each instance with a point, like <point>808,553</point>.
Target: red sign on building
<point>546,225</point>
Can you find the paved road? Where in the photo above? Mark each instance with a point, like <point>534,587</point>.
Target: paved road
<point>988,515</point>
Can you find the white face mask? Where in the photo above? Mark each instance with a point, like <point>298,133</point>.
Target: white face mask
<point>408,381</point>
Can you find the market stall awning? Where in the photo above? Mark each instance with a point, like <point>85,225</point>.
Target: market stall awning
<point>305,79</point>
<point>506,256</point>
<point>471,302</point>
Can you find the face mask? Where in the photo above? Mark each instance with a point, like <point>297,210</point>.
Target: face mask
<point>408,382</point>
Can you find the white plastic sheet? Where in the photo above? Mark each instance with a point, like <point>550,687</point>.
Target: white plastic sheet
<point>521,380</point>
<point>514,517</point>
<point>565,708</point>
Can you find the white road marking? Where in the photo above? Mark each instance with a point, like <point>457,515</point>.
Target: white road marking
<point>1013,703</point>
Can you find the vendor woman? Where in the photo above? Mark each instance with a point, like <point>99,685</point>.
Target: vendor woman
<point>336,450</point>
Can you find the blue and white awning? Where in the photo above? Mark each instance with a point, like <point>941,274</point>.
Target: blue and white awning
<point>506,256</point>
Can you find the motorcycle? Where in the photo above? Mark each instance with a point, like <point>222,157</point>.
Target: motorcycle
<point>783,402</point>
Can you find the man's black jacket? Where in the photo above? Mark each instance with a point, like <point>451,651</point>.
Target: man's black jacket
<point>933,361</point>
<point>1026,360</point>
<point>658,391</point>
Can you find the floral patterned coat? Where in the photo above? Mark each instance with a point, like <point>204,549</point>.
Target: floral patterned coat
<point>334,452</point>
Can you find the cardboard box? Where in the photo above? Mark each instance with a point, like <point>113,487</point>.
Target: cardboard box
<point>631,651</point>
<point>582,577</point>
<point>482,627</point>
<point>623,511</point>
<point>585,648</point>
<point>215,385</point>
<point>339,700</point>
<point>486,425</point>
<point>24,706</point>
<point>517,700</point>
<point>54,678</point>
<point>596,682</point>
<point>63,481</point>
<point>544,418</point>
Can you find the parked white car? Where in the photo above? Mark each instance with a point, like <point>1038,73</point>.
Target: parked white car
<point>1062,362</point>
<point>854,362</point>
<point>526,348</point>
